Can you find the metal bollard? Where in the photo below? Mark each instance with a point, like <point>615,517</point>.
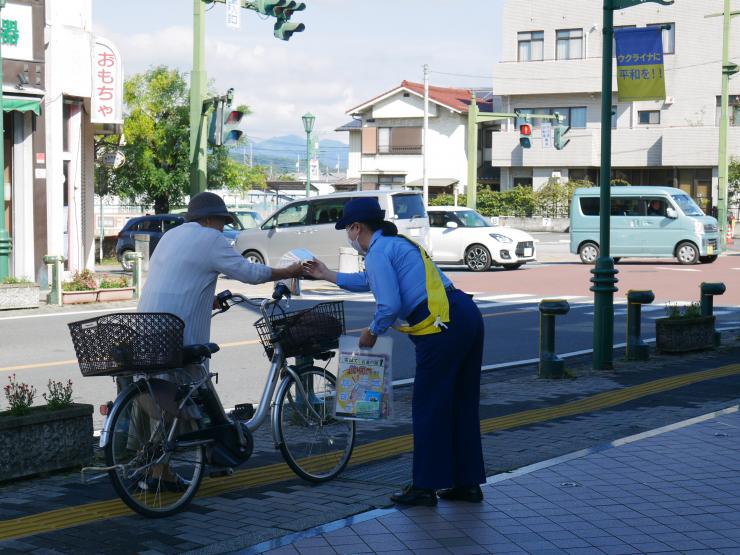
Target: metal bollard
<point>136,258</point>
<point>55,261</point>
<point>551,365</point>
<point>637,349</point>
<point>708,292</point>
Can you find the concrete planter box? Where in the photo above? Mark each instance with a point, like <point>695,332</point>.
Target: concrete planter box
<point>119,294</point>
<point>45,440</point>
<point>683,335</point>
<point>19,295</point>
<point>78,297</point>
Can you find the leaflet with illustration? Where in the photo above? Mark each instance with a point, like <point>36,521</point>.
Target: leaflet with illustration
<point>363,380</point>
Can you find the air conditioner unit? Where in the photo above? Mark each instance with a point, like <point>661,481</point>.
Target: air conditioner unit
<point>669,100</point>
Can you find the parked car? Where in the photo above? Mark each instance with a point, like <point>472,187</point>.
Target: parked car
<point>155,226</point>
<point>462,236</point>
<point>248,218</point>
<point>646,221</point>
<point>310,224</point>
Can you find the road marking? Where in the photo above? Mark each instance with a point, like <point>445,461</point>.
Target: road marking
<point>501,297</point>
<point>69,313</point>
<point>242,479</point>
<point>677,269</point>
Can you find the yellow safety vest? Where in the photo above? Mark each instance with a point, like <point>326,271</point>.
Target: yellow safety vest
<point>437,303</point>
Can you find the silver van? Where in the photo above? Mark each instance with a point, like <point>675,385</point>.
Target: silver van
<point>309,224</point>
<point>647,222</point>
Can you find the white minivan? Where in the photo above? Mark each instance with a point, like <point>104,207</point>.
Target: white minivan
<point>309,224</point>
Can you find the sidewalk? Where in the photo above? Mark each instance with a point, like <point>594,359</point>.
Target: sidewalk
<point>672,490</point>
<point>524,421</point>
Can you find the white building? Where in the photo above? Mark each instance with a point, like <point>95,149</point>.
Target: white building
<point>62,86</point>
<point>551,61</point>
<point>385,139</point>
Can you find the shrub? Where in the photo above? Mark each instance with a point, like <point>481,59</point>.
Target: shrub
<point>113,282</point>
<point>676,311</point>
<point>19,395</point>
<point>59,396</point>
<point>81,281</point>
<point>11,280</point>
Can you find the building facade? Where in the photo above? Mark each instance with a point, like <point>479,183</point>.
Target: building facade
<point>386,137</point>
<point>54,104</point>
<point>551,62</point>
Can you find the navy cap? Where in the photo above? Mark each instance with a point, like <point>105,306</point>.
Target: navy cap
<point>362,209</point>
<point>207,204</point>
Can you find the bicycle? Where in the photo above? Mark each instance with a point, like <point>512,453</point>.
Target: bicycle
<point>159,435</point>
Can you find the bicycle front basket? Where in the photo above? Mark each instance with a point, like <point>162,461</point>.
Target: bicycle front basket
<point>126,343</point>
<point>303,332</point>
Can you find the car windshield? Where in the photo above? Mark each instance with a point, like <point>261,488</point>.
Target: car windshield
<point>235,226</point>
<point>248,219</point>
<point>687,205</point>
<point>471,218</point>
<point>407,207</point>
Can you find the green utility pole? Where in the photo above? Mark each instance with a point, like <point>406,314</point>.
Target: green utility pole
<point>198,116</point>
<point>5,240</point>
<point>728,69</point>
<point>474,118</point>
<point>604,274</point>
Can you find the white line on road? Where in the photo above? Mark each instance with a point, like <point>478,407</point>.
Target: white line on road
<point>69,313</point>
<point>501,297</point>
<point>677,269</point>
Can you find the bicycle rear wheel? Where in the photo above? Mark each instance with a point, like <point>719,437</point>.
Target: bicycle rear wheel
<point>151,477</point>
<point>315,444</point>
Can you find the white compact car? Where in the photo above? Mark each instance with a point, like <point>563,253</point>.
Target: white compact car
<point>462,236</point>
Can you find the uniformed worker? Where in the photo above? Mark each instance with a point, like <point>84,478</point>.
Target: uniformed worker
<point>446,328</point>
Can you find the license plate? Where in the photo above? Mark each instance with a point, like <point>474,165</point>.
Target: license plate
<point>527,252</point>
<point>415,232</point>
<point>710,249</point>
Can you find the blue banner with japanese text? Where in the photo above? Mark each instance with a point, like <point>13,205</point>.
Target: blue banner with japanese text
<point>640,72</point>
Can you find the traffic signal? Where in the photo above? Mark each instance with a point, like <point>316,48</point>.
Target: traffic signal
<point>223,125</point>
<point>525,135</point>
<point>559,132</point>
<point>282,10</point>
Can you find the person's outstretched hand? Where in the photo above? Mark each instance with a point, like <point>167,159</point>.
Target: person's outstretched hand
<point>317,269</point>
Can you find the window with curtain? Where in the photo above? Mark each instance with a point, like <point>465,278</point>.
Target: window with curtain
<point>733,110</point>
<point>531,46</point>
<point>569,44</point>
<point>648,117</point>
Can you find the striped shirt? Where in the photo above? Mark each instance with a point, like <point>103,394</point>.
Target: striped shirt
<point>182,276</point>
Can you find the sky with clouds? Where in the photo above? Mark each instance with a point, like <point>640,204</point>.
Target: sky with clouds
<point>351,51</point>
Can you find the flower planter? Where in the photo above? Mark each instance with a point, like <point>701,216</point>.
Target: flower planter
<point>78,297</point>
<point>118,294</point>
<point>45,440</point>
<point>19,295</point>
<point>682,335</point>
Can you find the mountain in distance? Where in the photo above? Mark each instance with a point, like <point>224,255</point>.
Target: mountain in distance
<point>282,153</point>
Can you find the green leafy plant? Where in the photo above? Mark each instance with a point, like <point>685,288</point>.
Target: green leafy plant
<point>19,396</point>
<point>113,282</point>
<point>81,281</point>
<point>676,311</point>
<point>59,396</point>
<point>11,280</point>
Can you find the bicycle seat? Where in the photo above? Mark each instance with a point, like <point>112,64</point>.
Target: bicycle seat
<point>194,353</point>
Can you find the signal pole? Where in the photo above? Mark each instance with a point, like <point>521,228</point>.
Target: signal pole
<point>5,240</point>
<point>198,160</point>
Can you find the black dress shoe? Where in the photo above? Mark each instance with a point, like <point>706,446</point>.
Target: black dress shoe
<point>472,494</point>
<point>411,495</point>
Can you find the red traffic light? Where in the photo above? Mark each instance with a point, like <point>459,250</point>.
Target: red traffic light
<point>525,129</point>
<point>234,117</point>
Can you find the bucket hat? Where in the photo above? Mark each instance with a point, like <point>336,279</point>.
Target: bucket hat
<point>207,204</point>
<point>363,209</point>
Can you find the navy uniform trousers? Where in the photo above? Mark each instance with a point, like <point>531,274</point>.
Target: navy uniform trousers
<point>446,424</point>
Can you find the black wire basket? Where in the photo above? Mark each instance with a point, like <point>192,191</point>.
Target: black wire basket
<point>128,343</point>
<point>303,332</point>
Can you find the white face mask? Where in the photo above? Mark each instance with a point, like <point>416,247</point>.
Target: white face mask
<point>355,243</point>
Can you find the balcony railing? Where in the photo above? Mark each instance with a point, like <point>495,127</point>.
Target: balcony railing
<point>408,149</point>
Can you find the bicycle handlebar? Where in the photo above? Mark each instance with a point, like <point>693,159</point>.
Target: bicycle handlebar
<point>226,299</point>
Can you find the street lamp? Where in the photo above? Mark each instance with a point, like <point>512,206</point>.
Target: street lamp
<point>308,120</point>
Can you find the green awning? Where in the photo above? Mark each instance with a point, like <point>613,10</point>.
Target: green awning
<point>22,105</point>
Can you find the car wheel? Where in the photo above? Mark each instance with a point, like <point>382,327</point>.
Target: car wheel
<point>687,253</point>
<point>589,252</point>
<point>254,257</point>
<point>708,259</point>
<point>127,265</point>
<point>512,266</point>
<point>477,258</point>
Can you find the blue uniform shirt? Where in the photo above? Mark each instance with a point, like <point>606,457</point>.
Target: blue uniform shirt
<point>394,272</point>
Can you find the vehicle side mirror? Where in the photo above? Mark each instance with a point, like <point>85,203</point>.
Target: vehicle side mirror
<point>451,225</point>
<point>671,213</point>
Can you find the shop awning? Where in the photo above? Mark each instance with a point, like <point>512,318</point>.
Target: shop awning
<point>11,104</point>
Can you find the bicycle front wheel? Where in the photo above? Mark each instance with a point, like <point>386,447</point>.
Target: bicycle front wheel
<point>153,477</point>
<point>314,443</point>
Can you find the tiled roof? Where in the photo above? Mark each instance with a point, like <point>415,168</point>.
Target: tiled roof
<point>455,98</point>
